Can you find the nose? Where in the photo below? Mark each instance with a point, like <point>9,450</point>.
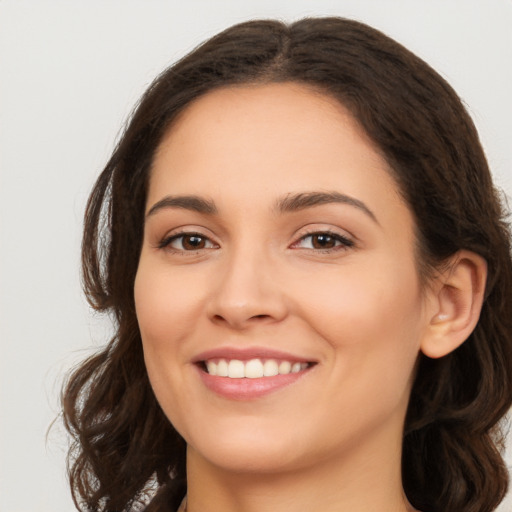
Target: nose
<point>247,292</point>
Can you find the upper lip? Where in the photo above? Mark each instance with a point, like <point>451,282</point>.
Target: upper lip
<point>248,353</point>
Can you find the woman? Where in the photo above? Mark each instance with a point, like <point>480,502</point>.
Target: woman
<point>311,277</point>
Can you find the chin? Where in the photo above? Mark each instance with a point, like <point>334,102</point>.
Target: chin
<point>250,461</point>
<point>249,453</point>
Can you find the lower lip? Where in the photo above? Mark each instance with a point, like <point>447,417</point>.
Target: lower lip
<point>248,389</point>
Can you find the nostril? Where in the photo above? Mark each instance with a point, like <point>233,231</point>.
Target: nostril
<point>221,318</point>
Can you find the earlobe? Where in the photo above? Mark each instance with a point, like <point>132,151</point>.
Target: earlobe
<point>457,302</point>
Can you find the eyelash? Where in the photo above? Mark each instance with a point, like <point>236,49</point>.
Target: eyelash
<point>342,242</point>
<point>167,241</point>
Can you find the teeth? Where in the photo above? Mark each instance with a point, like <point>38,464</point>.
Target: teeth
<point>222,368</point>
<point>211,367</point>
<point>270,368</point>
<point>253,369</point>
<point>285,367</point>
<point>236,369</point>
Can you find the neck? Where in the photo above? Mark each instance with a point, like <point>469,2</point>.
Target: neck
<point>365,478</point>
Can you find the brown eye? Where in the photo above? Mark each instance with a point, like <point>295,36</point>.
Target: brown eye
<point>193,242</point>
<point>323,241</point>
<point>187,242</point>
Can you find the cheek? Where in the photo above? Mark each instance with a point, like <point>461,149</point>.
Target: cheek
<point>167,304</point>
<point>373,328</point>
<point>372,321</point>
<point>166,309</point>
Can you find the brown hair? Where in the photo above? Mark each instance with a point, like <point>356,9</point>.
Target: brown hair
<point>125,450</point>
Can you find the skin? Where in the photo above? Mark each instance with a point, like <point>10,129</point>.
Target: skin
<point>331,440</point>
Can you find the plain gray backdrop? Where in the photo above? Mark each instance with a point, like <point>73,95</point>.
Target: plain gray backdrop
<point>70,73</point>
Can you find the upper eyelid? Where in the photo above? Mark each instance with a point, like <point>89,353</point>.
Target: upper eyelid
<point>167,239</point>
<point>345,240</point>
<point>331,230</point>
<point>188,230</point>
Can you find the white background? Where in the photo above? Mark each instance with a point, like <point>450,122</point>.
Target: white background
<point>70,73</point>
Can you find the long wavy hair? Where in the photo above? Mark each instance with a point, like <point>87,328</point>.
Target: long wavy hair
<point>125,453</point>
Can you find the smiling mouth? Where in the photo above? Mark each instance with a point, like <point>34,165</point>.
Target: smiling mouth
<point>253,368</point>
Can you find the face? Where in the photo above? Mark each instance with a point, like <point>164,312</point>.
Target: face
<point>277,292</point>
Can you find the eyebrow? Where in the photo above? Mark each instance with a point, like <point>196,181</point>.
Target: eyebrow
<point>193,203</point>
<point>303,200</point>
<point>289,203</point>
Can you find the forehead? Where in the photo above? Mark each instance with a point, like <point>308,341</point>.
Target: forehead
<point>293,111</point>
<point>267,140</point>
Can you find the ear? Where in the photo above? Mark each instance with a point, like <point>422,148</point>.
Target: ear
<point>457,297</point>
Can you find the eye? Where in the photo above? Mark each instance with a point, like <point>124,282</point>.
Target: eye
<point>323,241</point>
<point>187,242</point>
